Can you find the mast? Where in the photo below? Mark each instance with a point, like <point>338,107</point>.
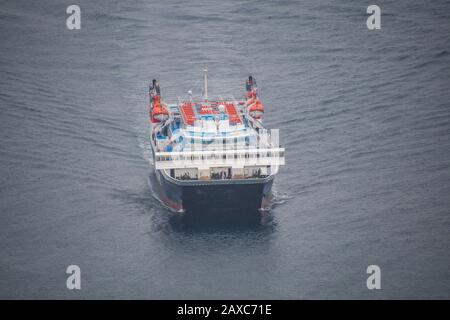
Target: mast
<point>205,80</point>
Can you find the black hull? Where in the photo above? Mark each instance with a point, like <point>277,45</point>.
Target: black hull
<point>215,196</point>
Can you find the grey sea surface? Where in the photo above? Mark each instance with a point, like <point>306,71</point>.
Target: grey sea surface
<point>364,116</point>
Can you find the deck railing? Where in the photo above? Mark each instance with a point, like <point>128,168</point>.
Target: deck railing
<point>220,158</point>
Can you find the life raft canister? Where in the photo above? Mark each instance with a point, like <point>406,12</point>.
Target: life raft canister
<point>251,94</point>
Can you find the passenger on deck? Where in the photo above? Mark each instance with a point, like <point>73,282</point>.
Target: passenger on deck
<point>151,91</point>
<point>250,84</point>
<point>151,87</point>
<point>158,90</point>
<point>154,88</point>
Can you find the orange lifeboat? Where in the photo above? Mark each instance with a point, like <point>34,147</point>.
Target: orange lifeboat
<point>256,109</point>
<point>159,111</point>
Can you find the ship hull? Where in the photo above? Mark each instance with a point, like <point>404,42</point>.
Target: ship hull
<point>213,196</point>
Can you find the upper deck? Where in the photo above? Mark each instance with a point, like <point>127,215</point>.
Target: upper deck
<point>195,125</point>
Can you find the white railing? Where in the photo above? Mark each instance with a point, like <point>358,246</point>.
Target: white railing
<point>218,158</point>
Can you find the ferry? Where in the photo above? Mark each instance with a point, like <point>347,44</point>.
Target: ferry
<point>212,153</point>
